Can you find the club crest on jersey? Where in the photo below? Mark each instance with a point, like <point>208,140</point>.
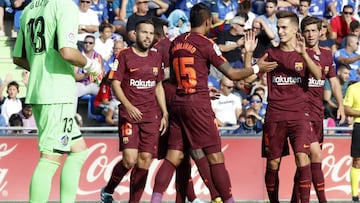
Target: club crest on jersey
<point>155,71</point>
<point>64,140</point>
<point>299,66</point>
<point>71,38</point>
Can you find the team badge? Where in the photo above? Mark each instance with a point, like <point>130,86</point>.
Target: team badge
<point>299,66</point>
<point>64,140</point>
<point>71,38</point>
<point>155,71</point>
<point>326,69</point>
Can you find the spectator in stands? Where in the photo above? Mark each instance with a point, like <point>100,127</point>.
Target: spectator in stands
<point>104,44</point>
<point>256,102</point>
<point>228,107</point>
<point>15,121</point>
<point>354,29</point>
<point>241,91</point>
<point>288,5</point>
<point>258,6</point>
<point>88,22</point>
<point>253,124</point>
<point>341,24</point>
<point>270,19</point>
<point>349,56</point>
<point>18,7</point>
<point>326,36</point>
<point>223,10</point>
<point>142,13</point>
<point>330,104</point>
<point>103,97</point>
<point>2,124</point>
<point>185,5</point>
<point>303,9</point>
<point>231,41</point>
<point>101,9</point>
<point>321,9</point>
<point>122,10</point>
<point>10,104</point>
<point>178,23</point>
<point>112,114</point>
<point>264,34</point>
<point>27,117</point>
<point>245,7</point>
<point>88,83</point>
<point>118,46</point>
<point>2,12</point>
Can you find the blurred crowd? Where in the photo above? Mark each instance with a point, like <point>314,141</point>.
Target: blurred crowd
<point>108,26</point>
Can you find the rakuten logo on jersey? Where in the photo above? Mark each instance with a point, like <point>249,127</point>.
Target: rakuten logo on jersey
<point>281,80</point>
<point>140,84</point>
<point>316,83</point>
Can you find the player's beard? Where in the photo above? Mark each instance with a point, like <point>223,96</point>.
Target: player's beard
<point>142,47</point>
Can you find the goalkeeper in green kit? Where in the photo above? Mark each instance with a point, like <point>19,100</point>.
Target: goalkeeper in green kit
<point>46,46</point>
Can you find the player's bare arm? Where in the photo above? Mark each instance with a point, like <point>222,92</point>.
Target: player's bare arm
<point>351,112</point>
<point>336,91</point>
<point>160,97</point>
<point>300,47</point>
<point>133,112</point>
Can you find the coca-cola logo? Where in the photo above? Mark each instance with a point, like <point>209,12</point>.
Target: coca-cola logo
<point>4,151</point>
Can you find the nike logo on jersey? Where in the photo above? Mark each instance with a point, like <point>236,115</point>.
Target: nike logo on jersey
<point>133,69</point>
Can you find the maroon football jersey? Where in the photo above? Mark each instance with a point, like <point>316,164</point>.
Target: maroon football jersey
<point>190,57</point>
<point>163,47</point>
<point>139,76</point>
<point>287,86</point>
<point>316,87</point>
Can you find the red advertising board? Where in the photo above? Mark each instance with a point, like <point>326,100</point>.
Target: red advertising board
<point>19,155</point>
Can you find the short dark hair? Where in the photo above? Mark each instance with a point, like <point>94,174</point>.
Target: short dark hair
<point>90,36</point>
<point>354,25</point>
<point>288,14</point>
<point>199,13</point>
<point>309,20</point>
<point>15,120</point>
<point>13,83</point>
<point>343,66</point>
<point>272,1</point>
<point>105,25</point>
<point>146,21</point>
<point>256,94</point>
<point>348,6</point>
<point>309,1</point>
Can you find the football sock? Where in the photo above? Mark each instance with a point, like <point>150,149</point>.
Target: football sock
<point>163,177</point>
<point>304,182</point>
<point>137,184</point>
<point>318,181</point>
<point>272,185</point>
<point>354,179</point>
<point>70,175</point>
<point>222,182</point>
<point>118,173</point>
<point>205,173</point>
<point>184,185</point>
<point>295,197</point>
<point>40,185</point>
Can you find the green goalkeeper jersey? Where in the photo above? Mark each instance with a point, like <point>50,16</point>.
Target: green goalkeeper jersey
<point>46,26</point>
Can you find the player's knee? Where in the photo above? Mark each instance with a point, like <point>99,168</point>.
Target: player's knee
<point>175,157</point>
<point>273,164</point>
<point>302,159</point>
<point>316,157</point>
<point>356,162</point>
<point>216,158</point>
<point>144,160</point>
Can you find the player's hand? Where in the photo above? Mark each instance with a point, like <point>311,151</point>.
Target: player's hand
<point>250,41</point>
<point>164,123</point>
<point>93,67</point>
<point>266,66</point>
<point>214,93</point>
<point>340,114</point>
<point>134,112</point>
<point>300,46</point>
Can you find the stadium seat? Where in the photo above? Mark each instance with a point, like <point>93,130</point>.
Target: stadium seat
<point>90,110</point>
